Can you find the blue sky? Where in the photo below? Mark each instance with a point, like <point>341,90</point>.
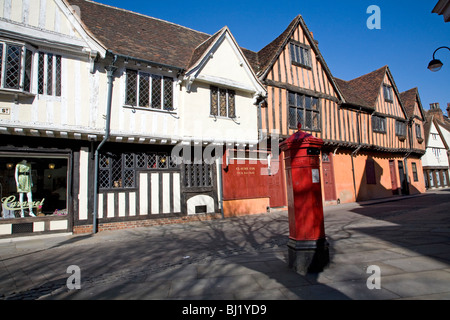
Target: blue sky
<point>408,36</point>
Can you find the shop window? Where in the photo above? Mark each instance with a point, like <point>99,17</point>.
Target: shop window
<point>118,171</point>
<point>32,186</point>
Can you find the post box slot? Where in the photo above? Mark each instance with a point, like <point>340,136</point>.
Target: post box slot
<point>313,151</point>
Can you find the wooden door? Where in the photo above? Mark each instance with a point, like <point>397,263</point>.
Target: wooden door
<point>277,187</point>
<point>393,177</point>
<point>328,177</point>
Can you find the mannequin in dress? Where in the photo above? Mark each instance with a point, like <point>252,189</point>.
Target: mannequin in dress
<point>24,184</point>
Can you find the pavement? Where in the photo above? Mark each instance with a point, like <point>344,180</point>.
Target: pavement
<point>407,239</point>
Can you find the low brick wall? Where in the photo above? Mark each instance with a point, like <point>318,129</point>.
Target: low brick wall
<point>144,223</point>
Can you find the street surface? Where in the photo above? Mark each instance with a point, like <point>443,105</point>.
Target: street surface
<point>244,258</point>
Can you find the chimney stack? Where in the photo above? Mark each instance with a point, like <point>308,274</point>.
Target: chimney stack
<point>448,110</point>
<point>435,110</point>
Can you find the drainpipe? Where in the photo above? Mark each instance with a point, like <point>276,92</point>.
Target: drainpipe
<point>354,153</point>
<point>110,74</point>
<point>405,159</point>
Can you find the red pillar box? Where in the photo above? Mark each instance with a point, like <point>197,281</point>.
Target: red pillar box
<point>308,248</point>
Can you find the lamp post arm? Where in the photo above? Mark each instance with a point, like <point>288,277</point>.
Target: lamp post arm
<point>439,49</point>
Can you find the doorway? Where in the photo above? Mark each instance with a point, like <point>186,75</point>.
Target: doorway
<point>328,177</point>
<point>393,177</point>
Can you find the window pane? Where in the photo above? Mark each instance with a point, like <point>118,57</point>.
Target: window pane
<point>13,56</point>
<point>27,75</point>
<point>168,93</point>
<point>49,74</point>
<point>308,119</point>
<point>131,94</point>
<point>223,102</point>
<point>315,104</point>
<point>316,121</point>
<point>300,118</point>
<point>144,90</point>
<point>293,117</point>
<point>231,104</point>
<point>58,76</point>
<point>41,73</point>
<point>300,100</point>
<point>116,171</point>
<point>156,92</point>
<point>214,101</point>
<point>292,47</point>
<point>308,104</point>
<point>1,61</point>
<point>291,99</point>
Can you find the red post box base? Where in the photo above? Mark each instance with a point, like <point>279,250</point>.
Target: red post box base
<point>308,255</point>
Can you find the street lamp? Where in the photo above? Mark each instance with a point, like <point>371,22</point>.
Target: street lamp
<point>435,64</point>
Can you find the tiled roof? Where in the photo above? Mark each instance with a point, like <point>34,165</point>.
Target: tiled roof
<point>269,53</point>
<point>364,90</point>
<point>135,35</point>
<point>409,98</point>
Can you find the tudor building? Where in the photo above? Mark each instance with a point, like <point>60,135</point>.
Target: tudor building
<point>129,120</point>
<point>104,118</point>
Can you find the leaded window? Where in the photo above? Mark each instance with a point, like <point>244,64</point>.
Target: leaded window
<point>300,55</point>
<point>118,170</point>
<point>49,74</point>
<point>304,110</point>
<point>223,102</point>
<point>147,90</point>
<point>418,131</point>
<point>388,95</point>
<point>400,128</point>
<point>198,175</point>
<point>379,124</point>
<point>15,66</point>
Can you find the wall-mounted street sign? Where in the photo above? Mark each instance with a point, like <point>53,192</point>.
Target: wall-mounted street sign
<point>4,110</point>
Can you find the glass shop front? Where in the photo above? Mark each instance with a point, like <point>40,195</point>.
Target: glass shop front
<point>33,186</point>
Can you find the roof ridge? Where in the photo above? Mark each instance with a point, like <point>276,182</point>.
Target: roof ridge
<point>145,16</point>
<point>369,73</point>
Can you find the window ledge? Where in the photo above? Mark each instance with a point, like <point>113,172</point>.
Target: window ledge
<point>222,118</point>
<point>17,92</point>
<point>174,111</point>
<point>298,64</point>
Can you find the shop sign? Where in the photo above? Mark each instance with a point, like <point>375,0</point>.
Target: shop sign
<point>5,111</point>
<point>10,203</point>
